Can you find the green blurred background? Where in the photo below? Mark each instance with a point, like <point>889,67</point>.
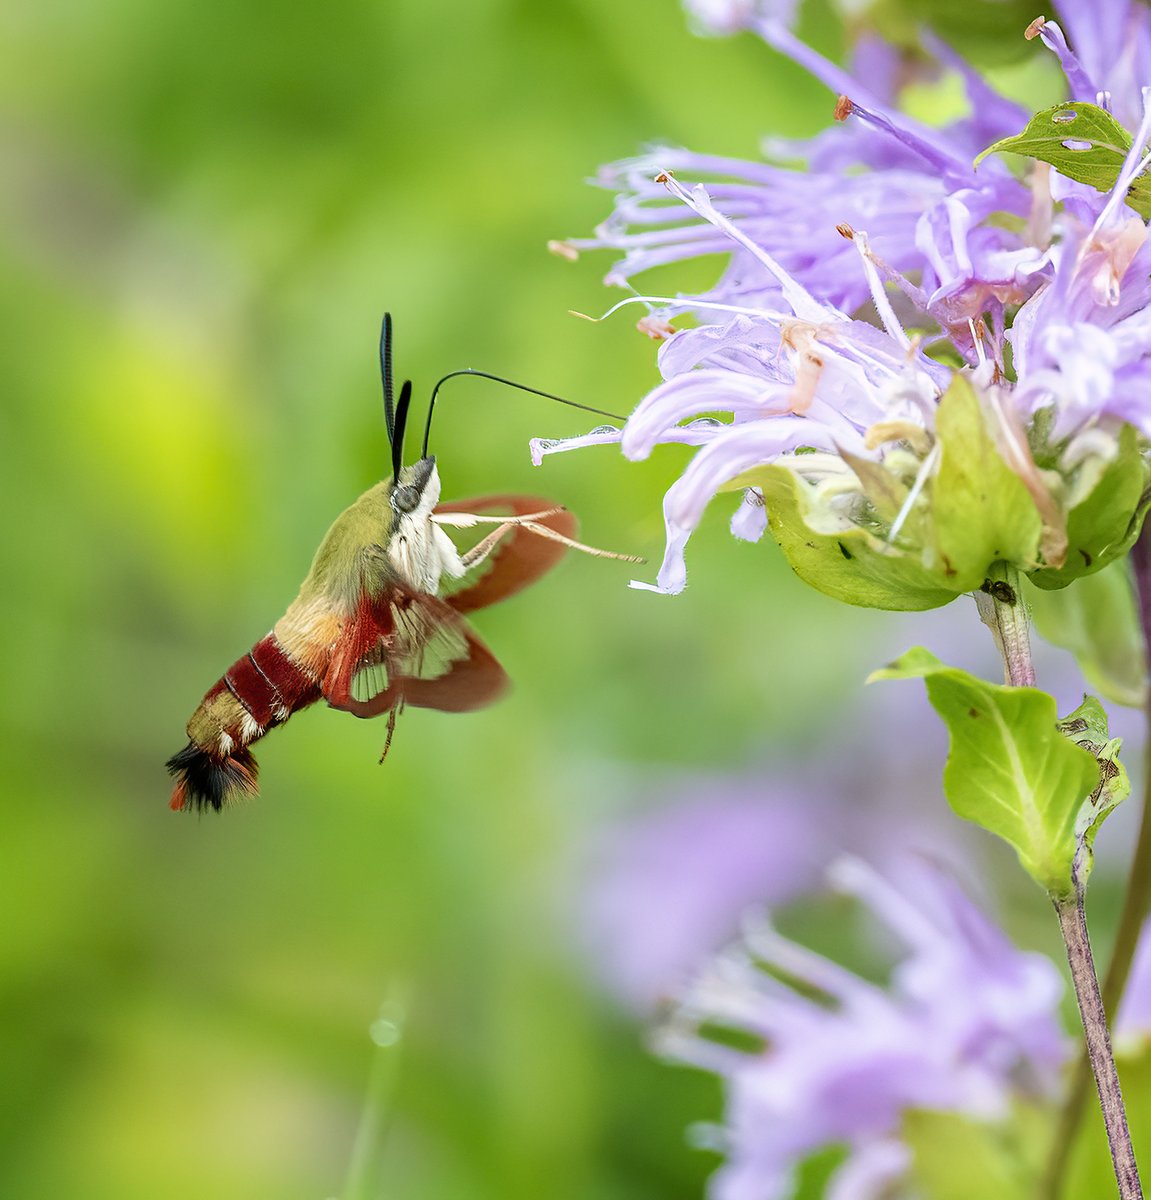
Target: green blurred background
<point>204,210</point>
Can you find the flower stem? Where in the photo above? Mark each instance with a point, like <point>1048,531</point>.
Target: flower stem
<point>1136,906</point>
<point>1003,610</point>
<point>1137,900</point>
<point>1073,925</point>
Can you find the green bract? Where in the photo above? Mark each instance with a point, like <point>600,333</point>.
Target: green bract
<point>970,511</point>
<point>1106,511</point>
<point>1087,728</point>
<point>854,565</point>
<point>1016,771</point>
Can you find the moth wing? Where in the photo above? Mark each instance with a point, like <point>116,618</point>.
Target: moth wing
<point>409,648</point>
<point>520,558</point>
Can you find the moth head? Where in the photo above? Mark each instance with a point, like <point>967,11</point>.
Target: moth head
<point>416,489</point>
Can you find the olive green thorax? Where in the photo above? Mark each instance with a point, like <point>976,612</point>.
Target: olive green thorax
<point>353,551</point>
<point>356,552</point>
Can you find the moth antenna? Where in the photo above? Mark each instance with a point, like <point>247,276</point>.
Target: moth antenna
<point>523,387</point>
<point>401,423</point>
<point>386,375</point>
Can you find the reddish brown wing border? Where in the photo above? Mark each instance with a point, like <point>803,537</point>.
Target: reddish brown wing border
<point>521,557</point>
<point>471,682</point>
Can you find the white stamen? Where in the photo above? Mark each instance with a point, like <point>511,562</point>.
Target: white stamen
<point>920,482</point>
<point>686,303</point>
<point>801,300</point>
<point>878,291</point>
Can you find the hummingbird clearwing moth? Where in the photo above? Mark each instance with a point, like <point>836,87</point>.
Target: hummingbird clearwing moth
<point>373,629</point>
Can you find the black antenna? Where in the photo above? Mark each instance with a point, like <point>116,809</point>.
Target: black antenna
<point>510,383</point>
<point>401,423</point>
<point>386,376</point>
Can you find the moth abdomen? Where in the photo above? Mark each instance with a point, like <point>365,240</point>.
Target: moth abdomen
<point>257,692</point>
<point>205,781</point>
<point>269,684</point>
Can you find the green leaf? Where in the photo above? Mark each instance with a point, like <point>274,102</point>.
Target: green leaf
<point>982,512</point>
<point>1097,619</point>
<point>1087,727</point>
<point>853,564</point>
<point>814,1174</point>
<point>1009,768</point>
<point>956,1157</point>
<point>1105,523</point>
<point>1083,142</point>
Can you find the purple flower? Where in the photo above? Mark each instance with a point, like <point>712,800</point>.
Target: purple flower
<point>913,189</point>
<point>967,1023</point>
<point>1109,56</point>
<point>889,213</point>
<point>1082,343</point>
<point>803,377</point>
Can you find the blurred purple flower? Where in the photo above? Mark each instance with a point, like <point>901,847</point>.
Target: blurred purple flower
<point>966,1024</point>
<point>670,887</point>
<point>1133,1022</point>
<point>729,16</point>
<point>665,888</point>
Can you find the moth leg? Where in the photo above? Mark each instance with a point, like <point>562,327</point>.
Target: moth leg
<point>546,531</point>
<point>484,547</point>
<point>391,730</point>
<point>468,520</point>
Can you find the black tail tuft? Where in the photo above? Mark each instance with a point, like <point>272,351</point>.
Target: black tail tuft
<point>206,782</point>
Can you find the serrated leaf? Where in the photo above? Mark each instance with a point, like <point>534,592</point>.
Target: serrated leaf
<point>852,565</point>
<point>1081,141</point>
<point>1103,526</point>
<point>981,511</point>
<point>1009,768</point>
<point>955,1157</point>
<point>1097,619</point>
<point>1087,727</point>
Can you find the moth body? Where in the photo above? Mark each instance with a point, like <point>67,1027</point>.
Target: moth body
<point>369,631</point>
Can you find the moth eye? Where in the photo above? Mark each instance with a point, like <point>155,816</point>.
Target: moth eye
<point>405,499</point>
